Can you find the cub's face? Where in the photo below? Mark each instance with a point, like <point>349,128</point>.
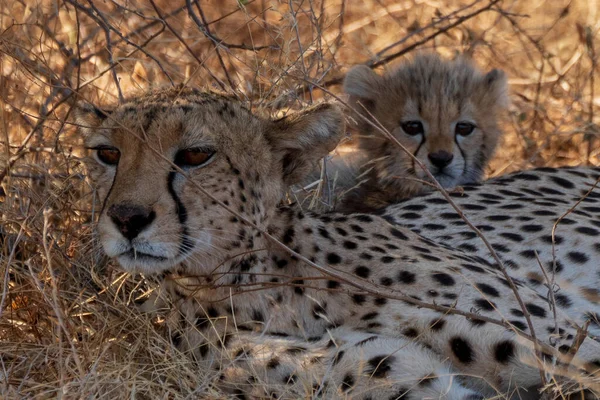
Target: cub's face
<point>444,113</point>
<point>168,165</point>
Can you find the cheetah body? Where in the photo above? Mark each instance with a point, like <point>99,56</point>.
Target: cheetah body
<point>366,308</point>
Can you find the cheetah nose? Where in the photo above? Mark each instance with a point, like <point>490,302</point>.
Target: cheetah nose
<point>130,220</point>
<point>440,158</point>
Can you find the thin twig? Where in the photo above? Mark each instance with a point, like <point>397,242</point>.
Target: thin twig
<point>217,41</point>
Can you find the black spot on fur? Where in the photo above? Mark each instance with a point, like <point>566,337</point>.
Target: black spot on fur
<point>273,363</point>
<point>535,310</point>
<point>365,341</point>
<point>473,268</point>
<point>333,284</point>
<point>362,271</point>
<point>358,299</point>
<point>406,277</point>
<point>498,218</point>
<point>587,231</point>
<point>363,218</point>
<point>577,257</point>
<point>562,182</point>
<point>516,312</point>
<point>377,249</point>
<point>323,232</point>
<point>410,332</point>
<point>443,279</point>
<point>532,228</point>
<point>437,325</point>
<point>257,315</point>
<point>462,350</point>
<point>356,228</point>
<point>467,247</point>
<point>380,366</point>
<point>380,301</point>
<point>401,394</point>
<point>484,304</point>
<point>338,357</point>
<point>515,237</point>
<point>299,290</point>
<point>349,245</point>
<point>504,351</point>
<point>562,300</point>
<point>531,254</point>
<point>347,382</point>
<point>397,234</point>
<point>333,258</point>
<point>519,325</point>
<point>386,281</point>
<point>487,289</point>
<point>296,350</point>
<point>369,316</point>
<point>289,236</point>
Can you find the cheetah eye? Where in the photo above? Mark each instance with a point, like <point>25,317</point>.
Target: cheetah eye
<point>412,128</point>
<point>193,157</point>
<point>108,155</point>
<point>464,128</point>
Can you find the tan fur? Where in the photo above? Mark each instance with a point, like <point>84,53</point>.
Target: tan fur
<point>381,318</point>
<point>439,94</point>
<point>174,119</point>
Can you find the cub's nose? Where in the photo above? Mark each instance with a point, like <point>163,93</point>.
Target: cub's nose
<point>440,158</point>
<point>130,220</point>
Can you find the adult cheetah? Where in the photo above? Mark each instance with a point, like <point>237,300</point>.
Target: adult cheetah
<point>445,113</point>
<point>289,304</point>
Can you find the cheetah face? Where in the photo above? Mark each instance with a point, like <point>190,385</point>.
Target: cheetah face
<point>168,165</point>
<point>443,147</point>
<point>444,113</point>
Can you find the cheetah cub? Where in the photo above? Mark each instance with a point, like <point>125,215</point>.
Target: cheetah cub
<point>445,113</point>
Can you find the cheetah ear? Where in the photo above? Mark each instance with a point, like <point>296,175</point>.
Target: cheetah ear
<point>495,86</point>
<point>88,117</point>
<point>301,139</point>
<point>362,85</point>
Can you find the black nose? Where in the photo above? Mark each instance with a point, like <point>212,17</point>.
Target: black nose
<point>440,158</point>
<point>130,220</point>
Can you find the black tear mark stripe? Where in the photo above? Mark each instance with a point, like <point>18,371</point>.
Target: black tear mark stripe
<point>109,190</point>
<point>186,242</point>
<point>423,140</point>
<point>462,153</point>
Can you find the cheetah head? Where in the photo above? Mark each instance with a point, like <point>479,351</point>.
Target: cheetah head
<point>444,112</point>
<point>152,156</point>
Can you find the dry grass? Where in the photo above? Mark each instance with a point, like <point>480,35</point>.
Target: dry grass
<point>67,324</point>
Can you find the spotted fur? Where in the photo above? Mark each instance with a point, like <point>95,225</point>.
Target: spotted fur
<point>543,224</point>
<point>391,314</point>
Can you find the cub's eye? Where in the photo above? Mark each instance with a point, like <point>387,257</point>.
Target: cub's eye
<point>464,128</point>
<point>412,128</point>
<point>193,157</point>
<point>108,155</point>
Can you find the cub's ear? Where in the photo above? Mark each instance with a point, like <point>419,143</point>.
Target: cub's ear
<point>362,85</point>
<point>301,139</point>
<point>495,85</point>
<point>88,117</point>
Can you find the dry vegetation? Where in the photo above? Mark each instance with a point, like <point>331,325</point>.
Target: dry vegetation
<point>68,327</point>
